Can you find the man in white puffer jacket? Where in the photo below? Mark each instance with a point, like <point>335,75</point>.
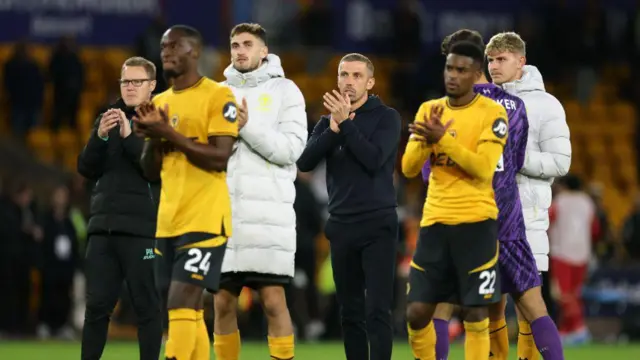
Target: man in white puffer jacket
<point>261,174</point>
<point>548,156</point>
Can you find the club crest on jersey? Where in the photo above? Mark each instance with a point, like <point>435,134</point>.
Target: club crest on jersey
<point>230,111</point>
<point>174,121</point>
<point>264,102</point>
<point>452,132</point>
<point>500,128</point>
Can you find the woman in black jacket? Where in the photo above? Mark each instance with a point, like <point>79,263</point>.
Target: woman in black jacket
<point>122,224</point>
<point>60,261</point>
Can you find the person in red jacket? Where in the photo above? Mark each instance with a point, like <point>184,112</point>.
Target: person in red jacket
<point>573,225</point>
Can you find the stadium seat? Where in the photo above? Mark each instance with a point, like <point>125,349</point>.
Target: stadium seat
<point>573,112</point>
<point>67,147</point>
<point>630,173</point>
<point>550,88</point>
<point>86,118</point>
<point>66,140</point>
<point>294,63</point>
<point>42,55</point>
<point>302,80</point>
<point>40,141</point>
<point>223,60</point>
<point>332,65</point>
<point>116,56</point>
<point>595,112</point>
<point>624,113</point>
<point>603,93</point>
<point>90,55</point>
<point>617,205</point>
<point>324,84</point>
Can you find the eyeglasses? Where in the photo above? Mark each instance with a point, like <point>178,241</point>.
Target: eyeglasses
<point>135,82</point>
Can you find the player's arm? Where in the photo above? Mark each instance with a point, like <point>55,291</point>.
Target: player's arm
<point>373,152</point>
<point>92,158</point>
<point>554,157</point>
<point>284,144</point>
<point>322,140</point>
<point>482,163</point>
<point>417,151</point>
<point>151,159</point>
<point>222,128</point>
<point>212,156</point>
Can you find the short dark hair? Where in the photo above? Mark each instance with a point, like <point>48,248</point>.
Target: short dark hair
<point>250,28</point>
<point>467,48</point>
<point>189,32</point>
<point>461,35</point>
<point>361,58</point>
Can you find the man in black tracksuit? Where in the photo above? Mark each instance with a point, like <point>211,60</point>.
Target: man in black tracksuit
<point>359,141</point>
<point>122,225</point>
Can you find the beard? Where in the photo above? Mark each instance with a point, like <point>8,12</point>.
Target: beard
<point>170,73</point>
<point>252,65</point>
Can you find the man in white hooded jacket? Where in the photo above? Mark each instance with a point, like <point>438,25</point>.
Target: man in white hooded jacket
<point>260,175</point>
<point>548,156</point>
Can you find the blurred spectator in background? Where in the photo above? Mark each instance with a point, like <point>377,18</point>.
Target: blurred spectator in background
<point>148,46</point>
<point>24,84</point>
<point>18,231</point>
<point>572,217</point>
<point>631,232</point>
<point>67,74</point>
<point>407,29</point>
<point>60,260</point>
<point>313,23</point>
<point>604,246</point>
<point>593,48</point>
<point>305,288</point>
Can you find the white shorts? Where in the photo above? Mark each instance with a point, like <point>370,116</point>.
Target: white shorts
<point>539,242</point>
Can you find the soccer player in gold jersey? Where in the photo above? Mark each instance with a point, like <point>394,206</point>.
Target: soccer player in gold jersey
<point>456,258</point>
<point>191,129</point>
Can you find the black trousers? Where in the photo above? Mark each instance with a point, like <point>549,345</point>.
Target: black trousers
<point>56,298</point>
<point>110,260</point>
<point>363,257</point>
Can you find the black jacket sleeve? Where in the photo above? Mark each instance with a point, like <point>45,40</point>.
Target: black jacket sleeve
<point>372,154</point>
<point>92,159</point>
<point>321,142</point>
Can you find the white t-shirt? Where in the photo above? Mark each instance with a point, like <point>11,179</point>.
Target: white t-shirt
<point>570,231</point>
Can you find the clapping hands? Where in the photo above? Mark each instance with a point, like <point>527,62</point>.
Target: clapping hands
<point>431,129</point>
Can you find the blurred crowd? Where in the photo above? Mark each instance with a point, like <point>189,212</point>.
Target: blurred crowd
<point>43,223</point>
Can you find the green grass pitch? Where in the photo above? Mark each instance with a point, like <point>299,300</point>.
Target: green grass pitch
<point>258,351</point>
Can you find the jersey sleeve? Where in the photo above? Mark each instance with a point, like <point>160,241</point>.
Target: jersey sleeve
<point>417,151</point>
<point>481,164</point>
<point>223,114</point>
<point>495,126</point>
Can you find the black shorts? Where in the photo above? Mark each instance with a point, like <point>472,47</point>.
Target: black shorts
<point>193,258</point>
<point>235,281</point>
<point>456,264</point>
